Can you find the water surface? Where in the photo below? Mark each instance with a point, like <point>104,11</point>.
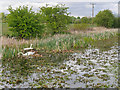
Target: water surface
<point>91,67</point>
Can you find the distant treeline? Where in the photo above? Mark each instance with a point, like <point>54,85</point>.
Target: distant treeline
<point>103,18</point>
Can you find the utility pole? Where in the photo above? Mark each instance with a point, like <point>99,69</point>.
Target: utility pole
<point>92,11</point>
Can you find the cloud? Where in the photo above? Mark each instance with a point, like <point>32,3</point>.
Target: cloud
<point>111,6</point>
<point>114,8</point>
<point>34,5</point>
<point>14,4</point>
<point>85,9</point>
<point>76,7</point>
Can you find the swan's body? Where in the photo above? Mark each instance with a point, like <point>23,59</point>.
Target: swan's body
<point>26,54</point>
<point>28,48</point>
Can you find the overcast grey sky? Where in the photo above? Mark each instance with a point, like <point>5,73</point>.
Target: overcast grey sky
<point>76,7</point>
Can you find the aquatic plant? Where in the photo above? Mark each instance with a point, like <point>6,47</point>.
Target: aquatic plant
<point>59,43</point>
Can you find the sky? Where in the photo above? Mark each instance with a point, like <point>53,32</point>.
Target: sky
<point>76,7</point>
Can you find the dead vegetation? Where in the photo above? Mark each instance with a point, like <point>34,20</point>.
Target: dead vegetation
<point>12,41</point>
<point>94,30</point>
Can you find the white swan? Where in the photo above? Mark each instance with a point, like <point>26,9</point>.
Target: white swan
<point>26,54</point>
<point>28,48</point>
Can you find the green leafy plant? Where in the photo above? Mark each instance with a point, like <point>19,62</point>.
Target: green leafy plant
<point>24,22</point>
<point>105,18</point>
<point>55,18</point>
<point>85,20</point>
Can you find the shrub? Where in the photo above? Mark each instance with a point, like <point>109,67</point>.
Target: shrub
<point>84,20</point>
<point>24,22</point>
<point>105,18</point>
<point>55,18</point>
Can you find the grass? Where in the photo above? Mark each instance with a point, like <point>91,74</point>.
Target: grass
<point>73,41</point>
<point>58,43</point>
<point>21,67</point>
<point>5,29</point>
<point>81,26</point>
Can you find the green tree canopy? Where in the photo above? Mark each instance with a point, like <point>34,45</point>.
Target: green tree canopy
<point>56,18</point>
<point>78,17</point>
<point>105,18</point>
<point>84,20</point>
<point>24,22</point>
<point>72,19</point>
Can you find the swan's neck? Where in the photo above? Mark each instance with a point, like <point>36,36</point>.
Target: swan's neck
<point>31,46</point>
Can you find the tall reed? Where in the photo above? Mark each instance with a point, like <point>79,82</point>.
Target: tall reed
<point>58,43</point>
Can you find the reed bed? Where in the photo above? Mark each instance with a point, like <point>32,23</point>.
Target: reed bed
<point>57,43</point>
<point>74,41</point>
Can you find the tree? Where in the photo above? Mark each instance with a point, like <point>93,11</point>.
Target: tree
<point>84,20</point>
<point>72,19</point>
<point>24,22</point>
<point>56,18</point>
<point>3,17</point>
<point>78,17</point>
<point>105,18</point>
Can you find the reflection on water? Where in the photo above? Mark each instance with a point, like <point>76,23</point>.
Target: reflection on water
<point>90,68</point>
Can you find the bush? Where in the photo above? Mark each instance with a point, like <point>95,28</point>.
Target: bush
<point>55,18</point>
<point>84,20</point>
<point>105,18</point>
<point>24,22</point>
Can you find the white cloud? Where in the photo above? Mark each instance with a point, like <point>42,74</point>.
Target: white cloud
<point>35,5</point>
<point>14,4</point>
<point>88,6</point>
<point>111,6</point>
<point>78,9</point>
<point>114,8</point>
